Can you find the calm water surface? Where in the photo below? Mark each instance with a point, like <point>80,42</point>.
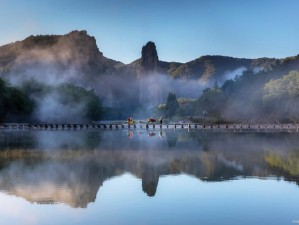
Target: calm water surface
<point>140,177</point>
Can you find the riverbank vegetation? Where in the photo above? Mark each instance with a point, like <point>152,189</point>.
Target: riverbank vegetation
<point>247,98</point>
<point>250,97</point>
<point>34,101</point>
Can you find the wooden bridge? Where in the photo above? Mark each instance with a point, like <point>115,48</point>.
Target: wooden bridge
<point>175,126</point>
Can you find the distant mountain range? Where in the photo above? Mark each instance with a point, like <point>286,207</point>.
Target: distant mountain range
<point>54,55</point>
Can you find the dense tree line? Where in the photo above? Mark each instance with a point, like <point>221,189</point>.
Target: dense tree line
<point>281,97</point>
<point>20,103</point>
<point>14,104</point>
<point>171,105</point>
<point>251,97</point>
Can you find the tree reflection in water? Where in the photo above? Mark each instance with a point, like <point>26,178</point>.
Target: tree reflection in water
<point>70,167</point>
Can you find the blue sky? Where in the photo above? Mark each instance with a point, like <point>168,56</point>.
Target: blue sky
<point>182,30</point>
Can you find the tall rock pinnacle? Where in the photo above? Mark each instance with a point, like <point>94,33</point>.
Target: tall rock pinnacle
<point>149,57</point>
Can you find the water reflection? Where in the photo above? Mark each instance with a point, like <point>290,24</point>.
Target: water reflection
<point>47,167</point>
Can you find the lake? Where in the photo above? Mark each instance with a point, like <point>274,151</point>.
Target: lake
<point>148,177</point>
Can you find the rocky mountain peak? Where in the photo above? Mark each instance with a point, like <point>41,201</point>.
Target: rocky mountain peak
<point>56,54</point>
<point>149,57</point>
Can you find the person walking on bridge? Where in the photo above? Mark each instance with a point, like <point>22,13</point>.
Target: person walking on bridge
<point>160,120</point>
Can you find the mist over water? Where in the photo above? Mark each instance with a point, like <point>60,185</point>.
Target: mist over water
<point>125,90</point>
<point>224,151</point>
<point>134,96</point>
<point>128,95</point>
<point>51,108</point>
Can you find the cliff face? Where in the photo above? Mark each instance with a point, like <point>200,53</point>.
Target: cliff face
<point>149,58</point>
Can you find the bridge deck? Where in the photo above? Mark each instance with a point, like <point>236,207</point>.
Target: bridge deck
<point>185,126</point>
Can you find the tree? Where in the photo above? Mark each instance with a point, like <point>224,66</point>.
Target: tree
<point>287,86</point>
<point>72,96</point>
<point>216,86</point>
<point>14,104</point>
<point>171,104</point>
<point>212,101</point>
<point>281,97</point>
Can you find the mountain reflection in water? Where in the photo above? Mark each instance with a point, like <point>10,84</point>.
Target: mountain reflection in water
<point>70,166</point>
